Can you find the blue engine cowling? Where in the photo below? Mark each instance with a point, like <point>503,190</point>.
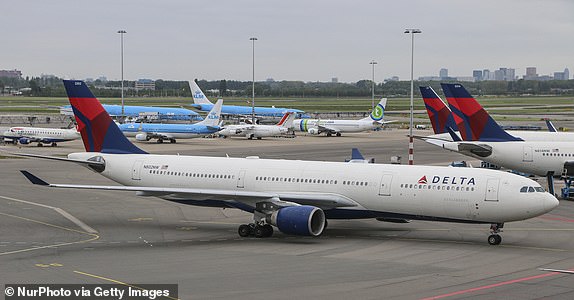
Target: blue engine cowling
<point>24,141</point>
<point>299,220</point>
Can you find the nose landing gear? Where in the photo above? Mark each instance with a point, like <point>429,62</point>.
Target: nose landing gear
<point>494,238</point>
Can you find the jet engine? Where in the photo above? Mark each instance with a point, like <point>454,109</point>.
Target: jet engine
<point>24,141</point>
<point>299,220</point>
<point>142,137</point>
<point>313,131</point>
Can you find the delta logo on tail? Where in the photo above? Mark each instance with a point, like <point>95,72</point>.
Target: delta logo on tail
<point>474,123</point>
<point>439,114</point>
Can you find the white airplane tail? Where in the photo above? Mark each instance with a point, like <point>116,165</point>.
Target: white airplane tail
<point>198,95</point>
<point>287,120</point>
<point>214,115</point>
<point>378,112</point>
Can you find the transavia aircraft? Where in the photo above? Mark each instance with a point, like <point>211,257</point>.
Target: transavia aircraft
<point>337,127</point>
<point>298,196</point>
<point>40,135</point>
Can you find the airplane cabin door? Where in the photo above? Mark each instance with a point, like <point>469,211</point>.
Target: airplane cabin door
<point>241,179</point>
<point>136,170</point>
<point>385,185</point>
<point>492,190</point>
<point>527,154</point>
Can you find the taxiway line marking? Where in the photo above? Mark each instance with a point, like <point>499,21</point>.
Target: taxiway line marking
<point>94,236</point>
<point>62,212</point>
<point>116,281</point>
<point>490,286</point>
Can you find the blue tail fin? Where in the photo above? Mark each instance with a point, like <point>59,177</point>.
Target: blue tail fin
<point>98,130</point>
<point>477,124</point>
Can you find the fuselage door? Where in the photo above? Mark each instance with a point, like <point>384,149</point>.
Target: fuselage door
<point>241,179</point>
<point>385,185</point>
<point>492,189</point>
<point>136,170</point>
<point>527,154</point>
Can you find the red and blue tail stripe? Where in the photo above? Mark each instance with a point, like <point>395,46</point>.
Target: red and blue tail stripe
<point>438,112</point>
<point>98,130</point>
<point>474,123</point>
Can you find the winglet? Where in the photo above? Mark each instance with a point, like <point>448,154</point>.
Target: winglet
<point>453,135</point>
<point>33,179</point>
<point>356,154</point>
<point>550,125</point>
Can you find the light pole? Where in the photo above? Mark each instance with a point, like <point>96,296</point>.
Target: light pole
<point>121,32</point>
<point>373,85</point>
<point>411,140</point>
<point>253,39</point>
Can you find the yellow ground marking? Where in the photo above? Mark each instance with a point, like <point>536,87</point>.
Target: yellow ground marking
<point>116,281</point>
<point>93,236</point>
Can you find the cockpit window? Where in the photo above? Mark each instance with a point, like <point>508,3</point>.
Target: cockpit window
<point>524,189</point>
<point>530,189</point>
<point>540,189</point>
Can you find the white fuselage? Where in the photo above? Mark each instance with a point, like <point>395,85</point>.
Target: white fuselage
<point>310,125</point>
<point>39,134</point>
<point>415,192</point>
<point>536,158</point>
<point>253,130</point>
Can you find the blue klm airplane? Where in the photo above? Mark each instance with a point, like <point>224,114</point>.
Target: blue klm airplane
<point>201,102</point>
<point>171,132</point>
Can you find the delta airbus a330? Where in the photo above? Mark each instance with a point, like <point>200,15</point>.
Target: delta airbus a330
<point>299,196</point>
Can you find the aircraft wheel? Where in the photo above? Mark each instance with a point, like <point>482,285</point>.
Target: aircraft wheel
<point>259,231</point>
<point>494,239</point>
<point>40,145</point>
<point>160,141</point>
<point>338,134</point>
<point>244,230</point>
<point>258,137</point>
<point>268,230</point>
<point>172,141</point>
<point>329,134</point>
<point>54,145</point>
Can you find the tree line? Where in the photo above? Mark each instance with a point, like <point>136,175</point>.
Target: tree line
<point>53,87</point>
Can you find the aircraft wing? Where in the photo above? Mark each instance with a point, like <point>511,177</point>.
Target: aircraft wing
<point>321,200</point>
<point>558,271</point>
<point>331,129</point>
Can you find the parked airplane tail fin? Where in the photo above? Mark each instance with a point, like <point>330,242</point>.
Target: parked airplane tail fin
<point>439,114</point>
<point>98,130</point>
<point>214,115</point>
<point>198,95</point>
<point>474,123</point>
<point>287,120</point>
<point>550,125</point>
<point>378,112</point>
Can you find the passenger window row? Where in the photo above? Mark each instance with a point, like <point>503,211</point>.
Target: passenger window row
<point>295,180</point>
<point>437,187</point>
<point>558,154</point>
<point>196,175</point>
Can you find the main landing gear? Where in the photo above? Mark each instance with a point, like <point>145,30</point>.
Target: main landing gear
<point>494,238</point>
<point>257,230</point>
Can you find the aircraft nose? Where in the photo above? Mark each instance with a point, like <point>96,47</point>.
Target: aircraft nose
<point>550,202</point>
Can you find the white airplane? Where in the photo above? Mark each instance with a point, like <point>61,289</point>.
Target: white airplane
<point>27,135</point>
<point>171,132</point>
<point>337,127</point>
<point>299,196</point>
<point>258,131</point>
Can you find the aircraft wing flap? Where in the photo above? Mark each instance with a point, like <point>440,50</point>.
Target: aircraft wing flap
<point>322,200</point>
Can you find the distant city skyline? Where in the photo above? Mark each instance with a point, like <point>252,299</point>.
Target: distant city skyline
<point>297,40</point>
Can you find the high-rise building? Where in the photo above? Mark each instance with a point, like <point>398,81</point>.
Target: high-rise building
<point>566,74</point>
<point>477,74</point>
<point>11,73</point>
<point>443,73</point>
<point>487,75</point>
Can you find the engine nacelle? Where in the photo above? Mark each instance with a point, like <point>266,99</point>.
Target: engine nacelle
<point>24,141</point>
<point>142,137</point>
<point>299,220</point>
<point>313,131</point>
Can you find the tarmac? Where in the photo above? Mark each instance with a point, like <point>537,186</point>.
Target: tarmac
<point>101,237</point>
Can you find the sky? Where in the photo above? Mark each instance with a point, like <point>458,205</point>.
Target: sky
<point>308,40</point>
